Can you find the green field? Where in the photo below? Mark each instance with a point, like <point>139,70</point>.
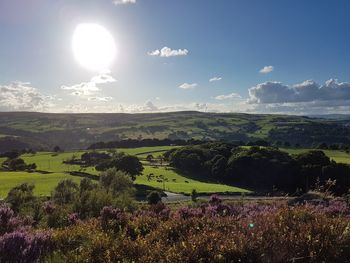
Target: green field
<point>336,155</point>
<point>44,183</point>
<point>79,131</point>
<point>53,163</point>
<point>171,181</point>
<point>175,182</point>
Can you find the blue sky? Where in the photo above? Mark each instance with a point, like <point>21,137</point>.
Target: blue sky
<point>263,55</point>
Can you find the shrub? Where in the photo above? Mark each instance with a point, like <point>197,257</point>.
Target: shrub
<point>194,195</point>
<point>22,246</point>
<point>154,198</point>
<point>65,192</point>
<point>20,196</point>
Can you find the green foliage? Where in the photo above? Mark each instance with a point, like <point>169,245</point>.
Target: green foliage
<point>65,192</point>
<point>20,196</point>
<point>18,164</point>
<point>154,198</point>
<point>194,195</point>
<point>264,169</point>
<point>291,234</point>
<point>313,158</point>
<point>126,163</point>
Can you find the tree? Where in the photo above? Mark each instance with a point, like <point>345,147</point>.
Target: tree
<point>126,163</point>
<point>154,198</point>
<point>17,164</point>
<point>57,149</point>
<point>20,195</point>
<point>219,166</point>
<point>65,192</point>
<point>116,182</point>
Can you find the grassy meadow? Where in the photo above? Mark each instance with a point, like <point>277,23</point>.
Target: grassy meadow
<point>336,155</point>
<point>44,183</point>
<point>53,163</point>
<point>163,177</point>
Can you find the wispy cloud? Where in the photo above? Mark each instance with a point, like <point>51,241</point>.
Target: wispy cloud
<point>124,2</point>
<point>188,86</point>
<point>215,79</point>
<point>90,88</point>
<point>230,96</point>
<point>266,69</point>
<point>168,52</point>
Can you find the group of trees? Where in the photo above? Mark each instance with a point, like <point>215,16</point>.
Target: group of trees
<point>14,163</point>
<point>103,161</point>
<point>259,168</point>
<point>131,143</point>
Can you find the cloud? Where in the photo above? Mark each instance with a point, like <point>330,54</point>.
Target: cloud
<point>168,52</point>
<point>266,69</point>
<point>21,96</point>
<point>90,88</point>
<point>149,106</point>
<point>100,98</point>
<point>307,91</point>
<point>188,86</point>
<point>230,96</point>
<point>215,79</point>
<point>124,2</point>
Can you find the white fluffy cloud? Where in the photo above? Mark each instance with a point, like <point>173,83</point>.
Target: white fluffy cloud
<point>266,69</point>
<point>168,52</point>
<point>215,79</point>
<point>304,98</point>
<point>124,2</point>
<point>230,96</point>
<point>90,89</point>
<point>21,96</point>
<point>307,91</point>
<point>188,86</point>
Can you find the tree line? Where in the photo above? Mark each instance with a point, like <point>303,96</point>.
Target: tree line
<point>265,169</point>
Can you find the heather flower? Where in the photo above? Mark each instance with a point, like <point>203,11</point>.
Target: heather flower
<point>73,219</point>
<point>186,212</point>
<point>214,200</point>
<point>22,246</point>
<point>49,207</point>
<point>113,218</point>
<point>9,222</point>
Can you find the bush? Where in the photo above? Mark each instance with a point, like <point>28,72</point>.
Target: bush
<point>215,232</point>
<point>65,192</point>
<point>20,196</point>
<point>194,195</point>
<point>154,198</point>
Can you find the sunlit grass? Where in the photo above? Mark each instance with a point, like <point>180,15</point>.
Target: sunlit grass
<point>44,183</point>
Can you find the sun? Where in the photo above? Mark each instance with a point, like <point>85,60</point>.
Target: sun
<point>93,47</point>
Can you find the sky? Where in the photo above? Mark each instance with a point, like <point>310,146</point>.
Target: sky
<point>268,56</point>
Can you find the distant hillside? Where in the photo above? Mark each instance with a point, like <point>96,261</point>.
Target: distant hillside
<point>71,131</point>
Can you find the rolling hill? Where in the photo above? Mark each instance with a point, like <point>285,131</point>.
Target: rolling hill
<point>20,130</point>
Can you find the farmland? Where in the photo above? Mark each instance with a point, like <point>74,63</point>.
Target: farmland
<point>53,163</point>
<point>173,180</point>
<point>78,131</point>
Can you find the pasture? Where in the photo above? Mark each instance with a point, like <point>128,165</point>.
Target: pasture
<point>169,180</point>
<point>44,183</point>
<point>53,163</point>
<point>336,155</point>
<point>162,177</point>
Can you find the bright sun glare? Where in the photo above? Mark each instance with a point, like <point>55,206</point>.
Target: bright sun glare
<point>93,46</point>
